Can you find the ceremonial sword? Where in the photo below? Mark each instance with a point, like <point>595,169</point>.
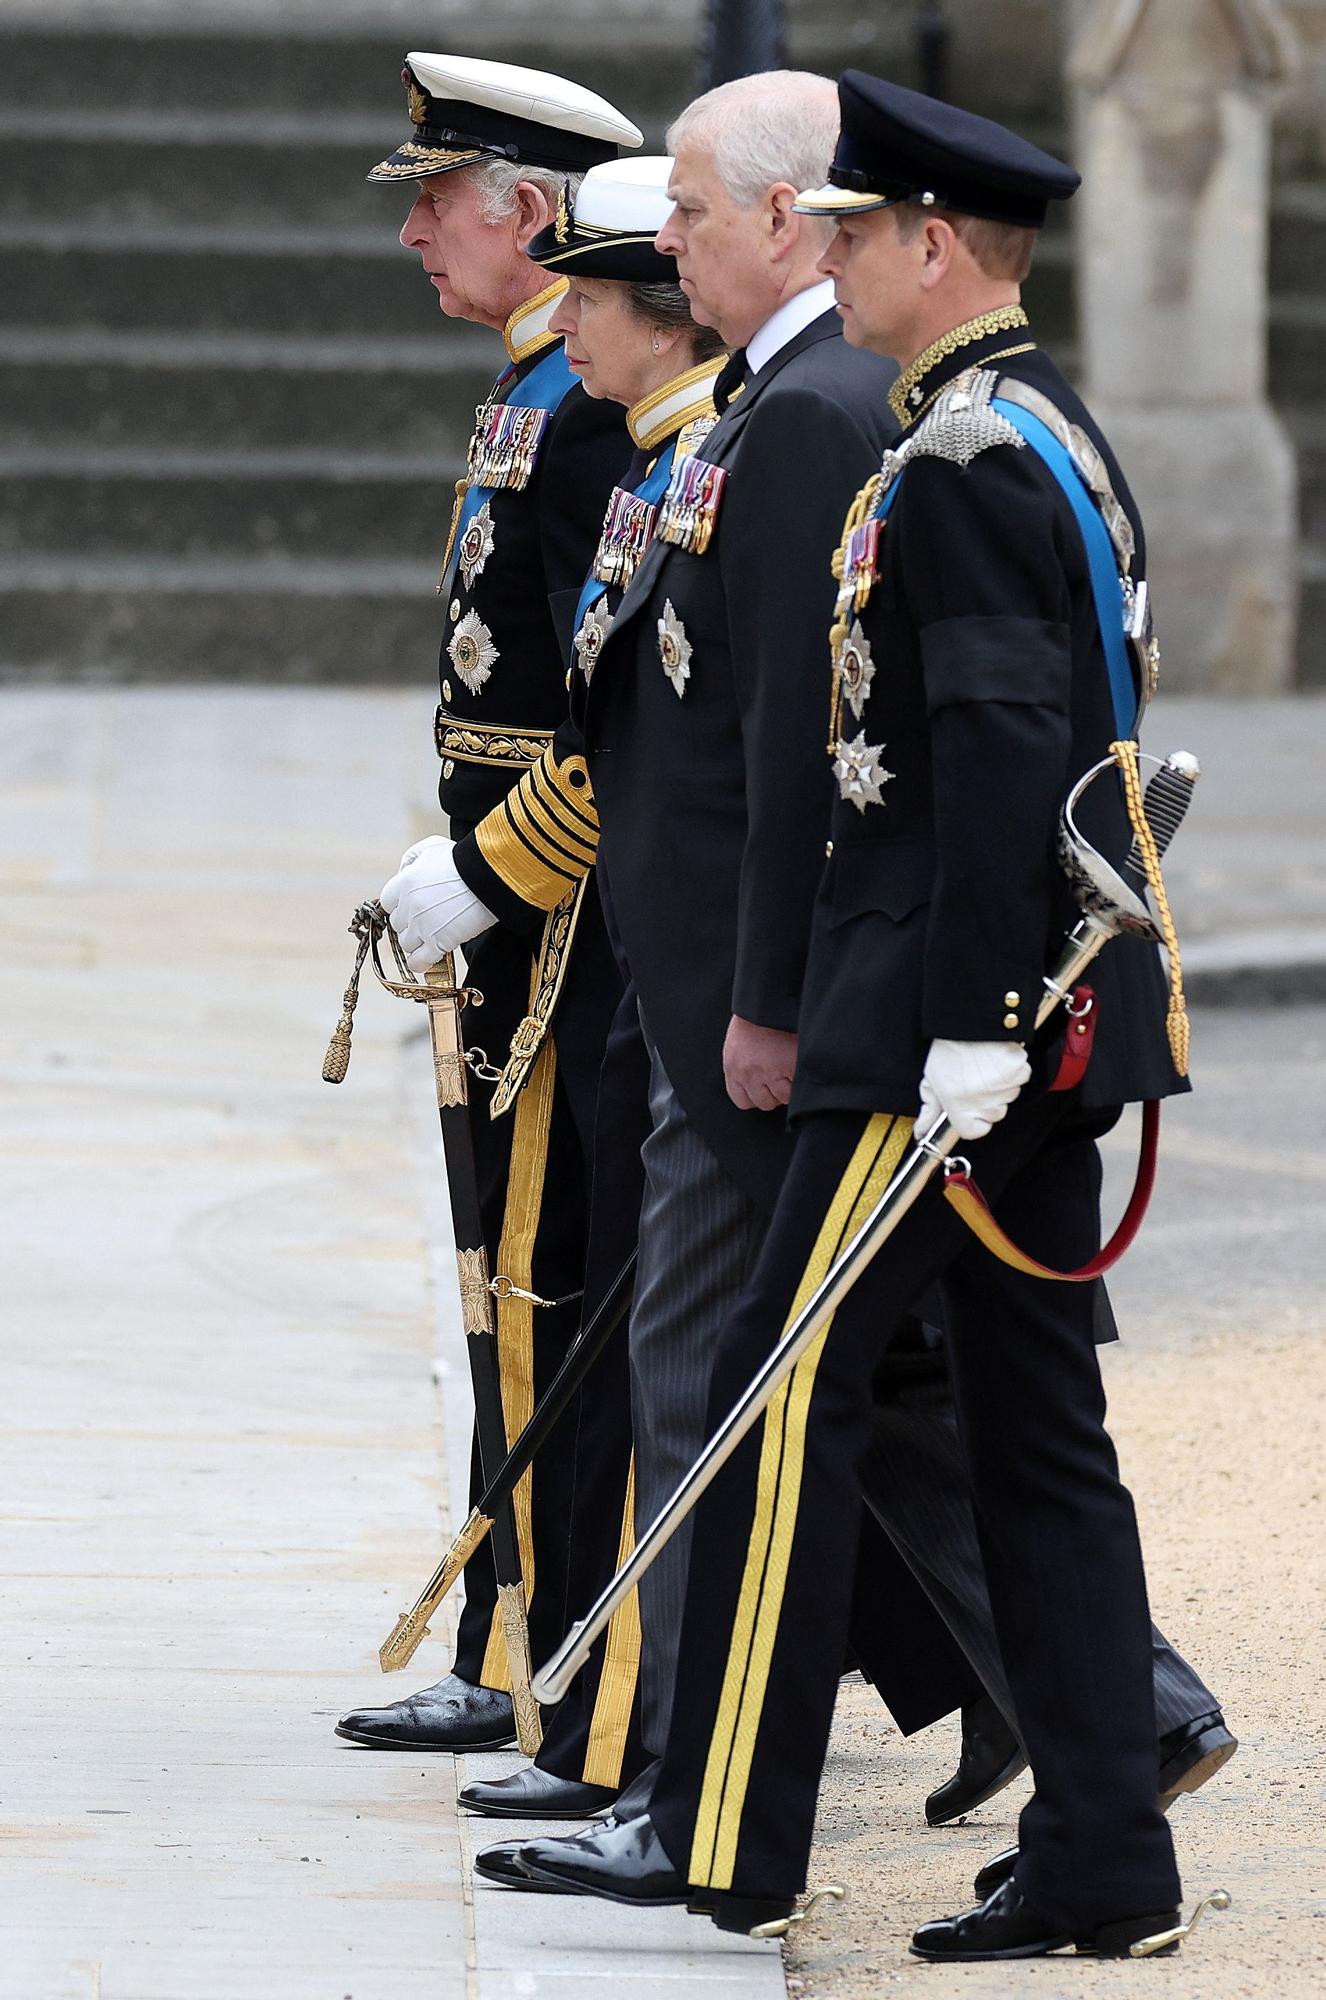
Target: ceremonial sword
<point>1110,906</point>
<point>444,1001</point>
<point>399,1647</point>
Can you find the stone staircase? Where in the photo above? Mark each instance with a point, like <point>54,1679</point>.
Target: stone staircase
<point>230,413</point>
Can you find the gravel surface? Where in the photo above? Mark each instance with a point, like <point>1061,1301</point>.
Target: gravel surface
<point>1217,1398</point>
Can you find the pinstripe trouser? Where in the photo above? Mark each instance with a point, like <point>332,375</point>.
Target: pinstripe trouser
<point>700,1235</point>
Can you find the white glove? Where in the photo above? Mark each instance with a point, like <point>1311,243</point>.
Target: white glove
<point>431,909</point>
<point>972,1083</point>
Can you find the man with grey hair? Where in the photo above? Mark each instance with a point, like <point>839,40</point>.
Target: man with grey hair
<point>704,735</point>
<point>493,151</point>
<point>713,805</point>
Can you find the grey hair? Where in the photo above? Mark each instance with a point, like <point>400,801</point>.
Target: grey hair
<point>779,125</point>
<point>497,180</point>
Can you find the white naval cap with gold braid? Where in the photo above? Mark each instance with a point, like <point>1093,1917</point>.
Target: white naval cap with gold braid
<point>467,108</point>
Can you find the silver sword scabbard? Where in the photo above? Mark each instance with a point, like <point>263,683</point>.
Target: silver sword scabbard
<point>1109,906</point>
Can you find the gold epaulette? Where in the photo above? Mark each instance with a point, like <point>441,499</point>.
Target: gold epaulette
<point>543,837</point>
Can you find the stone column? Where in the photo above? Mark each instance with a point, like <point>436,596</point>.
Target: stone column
<point>1172,102</point>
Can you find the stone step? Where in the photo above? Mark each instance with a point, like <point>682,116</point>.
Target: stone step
<point>141,620</point>
<point>213,279</point>
<point>1297,249</point>
<point>1312,615</point>
<point>647,70</point>
<point>131,172</point>
<point>1307,432</point>
<point>226,505</point>
<point>1295,344</point>
<point>245,394</point>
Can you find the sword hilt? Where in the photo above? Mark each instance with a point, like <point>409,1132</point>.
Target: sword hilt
<point>1165,801</point>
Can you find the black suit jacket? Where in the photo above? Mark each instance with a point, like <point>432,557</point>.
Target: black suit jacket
<point>714,805</point>
<point>943,904</point>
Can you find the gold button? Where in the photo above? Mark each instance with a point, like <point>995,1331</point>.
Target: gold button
<point>454,613</point>
<point>446,690</point>
<point>828,849</point>
<point>449,768</point>
<point>1012,999</point>
<point>1010,1020</point>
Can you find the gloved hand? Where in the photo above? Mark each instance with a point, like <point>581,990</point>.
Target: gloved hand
<point>431,909</point>
<point>972,1083</point>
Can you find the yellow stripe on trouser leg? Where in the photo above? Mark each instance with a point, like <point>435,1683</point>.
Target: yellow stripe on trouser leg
<point>773,1528</point>
<point>611,1720</point>
<point>515,1316</point>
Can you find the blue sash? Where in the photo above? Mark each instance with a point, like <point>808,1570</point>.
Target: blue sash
<point>542,389</point>
<point>1106,584</point>
<point>651,488</point>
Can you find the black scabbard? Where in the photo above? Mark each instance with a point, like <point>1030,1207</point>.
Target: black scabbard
<point>494,1503</point>
<point>479,1317</point>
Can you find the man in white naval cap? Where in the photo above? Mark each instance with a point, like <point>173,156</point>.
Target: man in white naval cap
<point>494,153</point>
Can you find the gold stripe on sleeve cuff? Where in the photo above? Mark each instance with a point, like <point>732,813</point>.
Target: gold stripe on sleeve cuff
<point>544,835</point>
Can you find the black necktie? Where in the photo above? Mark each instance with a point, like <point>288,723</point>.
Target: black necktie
<point>732,377</point>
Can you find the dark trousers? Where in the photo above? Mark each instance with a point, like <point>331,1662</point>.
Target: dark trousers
<point>770,1582</point>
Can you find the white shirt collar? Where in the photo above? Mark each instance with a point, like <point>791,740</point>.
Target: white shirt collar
<point>793,316</point>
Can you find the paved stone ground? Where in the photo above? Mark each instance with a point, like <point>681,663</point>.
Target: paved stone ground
<point>220,1474</point>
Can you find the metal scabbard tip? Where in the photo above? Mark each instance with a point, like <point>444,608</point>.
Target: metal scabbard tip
<point>1219,1899</point>
<point>832,1892</point>
<point>400,1646</point>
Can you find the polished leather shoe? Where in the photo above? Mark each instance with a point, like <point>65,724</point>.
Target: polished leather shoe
<point>1188,1757</point>
<point>1192,1754</point>
<point>451,1715</point>
<point>536,1794</point>
<point>502,1864</point>
<point>625,1861</point>
<point>991,1758</point>
<point>1006,1926</point>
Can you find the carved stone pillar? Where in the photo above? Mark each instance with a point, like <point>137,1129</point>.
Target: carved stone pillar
<point>1172,100</point>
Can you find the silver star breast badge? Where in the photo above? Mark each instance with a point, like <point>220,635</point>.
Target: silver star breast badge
<point>674,649</point>
<point>472,651</point>
<point>594,629</point>
<point>861,777</point>
<point>476,545</point>
<point>857,667</point>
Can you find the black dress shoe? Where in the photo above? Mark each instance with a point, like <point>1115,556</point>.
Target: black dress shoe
<point>1006,1926</point>
<point>450,1715</point>
<point>991,1758</point>
<point>536,1794</point>
<point>1188,1757</point>
<point>502,1864</point>
<point>1192,1754</point>
<point>625,1861</point>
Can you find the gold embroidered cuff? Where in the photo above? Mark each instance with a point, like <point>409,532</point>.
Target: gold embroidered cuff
<point>543,837</point>
<point>488,742</point>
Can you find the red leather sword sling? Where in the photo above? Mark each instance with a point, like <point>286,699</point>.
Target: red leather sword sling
<point>962,1193</point>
